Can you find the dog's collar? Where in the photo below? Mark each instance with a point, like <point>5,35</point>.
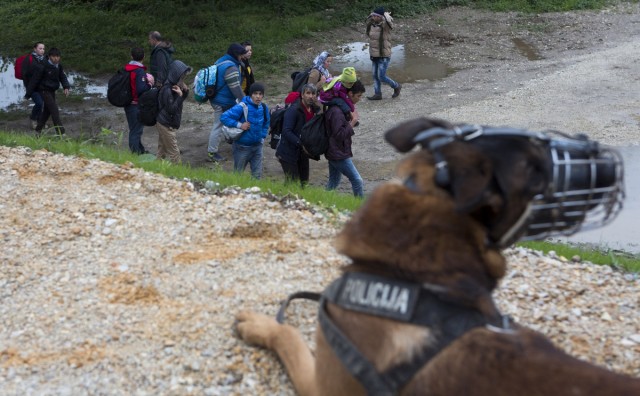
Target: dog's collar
<point>409,302</point>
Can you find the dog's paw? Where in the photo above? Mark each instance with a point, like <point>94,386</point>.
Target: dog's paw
<point>255,328</point>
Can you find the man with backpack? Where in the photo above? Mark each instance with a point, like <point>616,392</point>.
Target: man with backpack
<point>294,161</point>
<point>35,59</point>
<point>340,129</point>
<point>161,57</point>
<point>228,91</point>
<point>140,83</point>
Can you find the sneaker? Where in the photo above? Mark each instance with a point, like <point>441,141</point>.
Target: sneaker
<point>375,97</point>
<point>215,157</point>
<point>34,124</point>
<point>396,91</point>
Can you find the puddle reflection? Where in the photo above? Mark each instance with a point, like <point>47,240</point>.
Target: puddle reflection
<point>406,66</point>
<point>13,91</point>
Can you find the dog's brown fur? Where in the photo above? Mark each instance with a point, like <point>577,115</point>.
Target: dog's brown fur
<point>428,233</point>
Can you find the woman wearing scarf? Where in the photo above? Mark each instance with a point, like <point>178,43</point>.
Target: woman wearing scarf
<point>319,73</point>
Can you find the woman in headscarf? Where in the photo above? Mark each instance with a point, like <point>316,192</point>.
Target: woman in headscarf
<point>319,73</point>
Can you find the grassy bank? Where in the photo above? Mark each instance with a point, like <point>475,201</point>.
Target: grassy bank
<point>93,149</point>
<point>96,35</point>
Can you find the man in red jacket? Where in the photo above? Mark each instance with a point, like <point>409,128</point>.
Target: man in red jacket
<point>340,130</point>
<point>139,85</point>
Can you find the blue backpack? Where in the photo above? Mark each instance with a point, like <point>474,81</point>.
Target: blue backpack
<point>205,83</point>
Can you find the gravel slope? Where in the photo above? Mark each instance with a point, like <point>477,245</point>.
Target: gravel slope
<point>114,281</point>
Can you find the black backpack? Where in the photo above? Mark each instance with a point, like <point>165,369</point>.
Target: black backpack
<point>299,78</point>
<point>119,89</point>
<point>314,137</point>
<point>275,126</point>
<point>148,107</point>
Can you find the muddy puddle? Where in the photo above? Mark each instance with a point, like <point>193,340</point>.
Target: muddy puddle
<point>12,90</point>
<point>405,66</point>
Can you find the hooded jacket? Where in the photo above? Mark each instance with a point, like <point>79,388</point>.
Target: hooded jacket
<point>340,132</point>
<point>380,36</point>
<point>138,79</point>
<point>170,103</point>
<point>161,57</point>
<point>258,117</point>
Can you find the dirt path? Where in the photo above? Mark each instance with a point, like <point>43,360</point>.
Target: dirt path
<point>584,77</point>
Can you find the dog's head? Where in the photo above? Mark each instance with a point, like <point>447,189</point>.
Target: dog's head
<point>472,191</point>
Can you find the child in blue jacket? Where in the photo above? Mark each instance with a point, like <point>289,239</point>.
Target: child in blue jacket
<point>247,149</point>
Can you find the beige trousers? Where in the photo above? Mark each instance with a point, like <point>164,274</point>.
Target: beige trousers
<point>168,144</point>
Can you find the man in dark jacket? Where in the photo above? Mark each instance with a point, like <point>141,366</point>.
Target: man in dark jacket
<point>294,161</point>
<point>339,154</point>
<point>139,85</point>
<point>46,79</point>
<point>161,57</point>
<point>28,66</point>
<point>170,99</point>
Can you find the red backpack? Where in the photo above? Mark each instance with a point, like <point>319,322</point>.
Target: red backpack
<point>18,65</point>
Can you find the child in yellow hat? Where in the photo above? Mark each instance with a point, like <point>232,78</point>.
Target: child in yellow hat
<point>334,90</point>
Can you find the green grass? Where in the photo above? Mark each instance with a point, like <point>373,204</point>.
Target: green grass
<point>95,147</point>
<point>87,148</point>
<point>597,255</point>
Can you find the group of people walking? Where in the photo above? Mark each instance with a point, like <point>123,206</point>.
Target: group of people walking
<point>238,102</point>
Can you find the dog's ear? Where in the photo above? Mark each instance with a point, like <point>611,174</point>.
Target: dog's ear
<point>470,178</point>
<point>401,136</point>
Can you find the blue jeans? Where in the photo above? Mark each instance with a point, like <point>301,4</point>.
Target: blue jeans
<point>347,168</point>
<point>38,103</point>
<point>252,155</point>
<point>379,70</point>
<point>135,129</point>
<point>216,131</point>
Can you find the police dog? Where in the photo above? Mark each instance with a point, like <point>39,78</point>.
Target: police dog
<point>427,246</point>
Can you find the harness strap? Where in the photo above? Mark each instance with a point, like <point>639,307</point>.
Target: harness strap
<point>447,321</point>
<point>301,294</point>
<point>353,360</point>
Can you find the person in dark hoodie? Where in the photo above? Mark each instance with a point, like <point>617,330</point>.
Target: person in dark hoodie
<point>139,85</point>
<point>161,57</point>
<point>339,154</point>
<point>28,66</point>
<point>170,99</point>
<point>46,79</point>
<point>293,159</point>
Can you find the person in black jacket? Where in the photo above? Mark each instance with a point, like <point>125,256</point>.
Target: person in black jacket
<point>293,159</point>
<point>161,57</point>
<point>339,154</point>
<point>170,99</point>
<point>28,66</point>
<point>47,78</point>
<point>247,71</point>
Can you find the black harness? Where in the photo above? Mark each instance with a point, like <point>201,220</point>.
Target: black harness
<point>415,303</point>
